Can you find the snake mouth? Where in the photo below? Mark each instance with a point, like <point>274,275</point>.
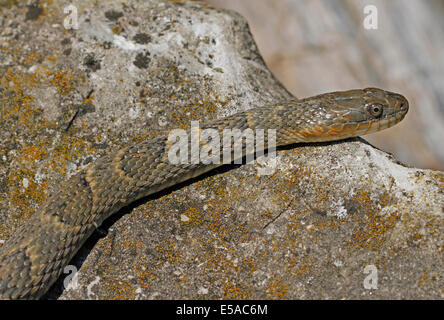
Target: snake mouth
<point>350,129</point>
<point>370,126</point>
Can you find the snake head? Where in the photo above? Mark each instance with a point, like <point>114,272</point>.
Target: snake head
<point>352,113</point>
<point>371,105</point>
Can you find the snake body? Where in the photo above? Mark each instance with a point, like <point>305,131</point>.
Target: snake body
<point>34,257</point>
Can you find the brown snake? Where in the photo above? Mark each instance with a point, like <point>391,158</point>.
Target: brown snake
<point>34,257</point>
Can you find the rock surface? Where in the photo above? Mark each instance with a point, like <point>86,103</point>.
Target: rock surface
<point>329,220</point>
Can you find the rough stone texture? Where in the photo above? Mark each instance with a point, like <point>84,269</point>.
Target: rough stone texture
<point>135,70</point>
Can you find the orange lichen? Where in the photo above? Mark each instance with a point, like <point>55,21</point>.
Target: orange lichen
<point>169,252</point>
<point>145,275</point>
<point>428,277</point>
<point>371,232</point>
<point>193,216</point>
<point>276,289</point>
<point>235,292</point>
<point>63,80</point>
<point>299,266</point>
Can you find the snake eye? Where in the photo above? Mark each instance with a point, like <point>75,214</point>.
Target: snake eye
<point>375,109</point>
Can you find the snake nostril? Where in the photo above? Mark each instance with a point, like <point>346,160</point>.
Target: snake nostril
<point>403,105</point>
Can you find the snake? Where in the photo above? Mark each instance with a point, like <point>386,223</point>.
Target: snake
<point>34,256</point>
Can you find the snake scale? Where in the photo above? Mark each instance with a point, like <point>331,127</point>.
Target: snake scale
<point>35,255</point>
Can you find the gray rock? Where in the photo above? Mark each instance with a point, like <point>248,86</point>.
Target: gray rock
<point>312,229</point>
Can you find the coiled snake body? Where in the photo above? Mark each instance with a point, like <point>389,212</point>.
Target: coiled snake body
<point>34,257</point>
